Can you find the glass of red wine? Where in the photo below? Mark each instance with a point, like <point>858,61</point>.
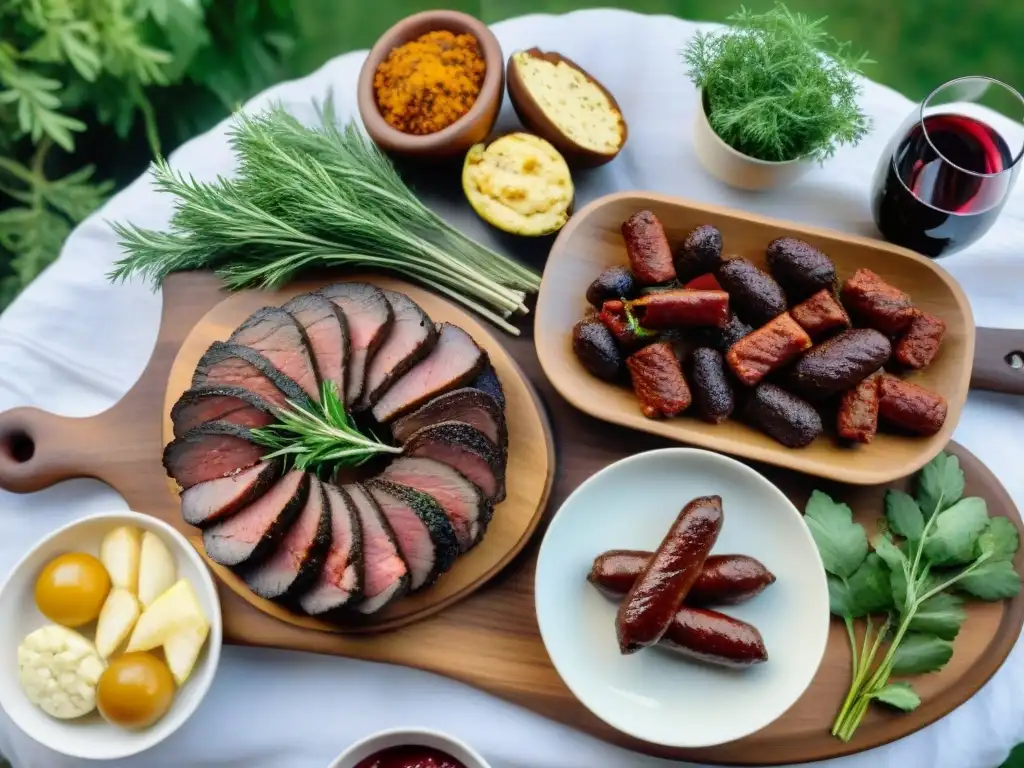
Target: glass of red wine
<point>947,173</point>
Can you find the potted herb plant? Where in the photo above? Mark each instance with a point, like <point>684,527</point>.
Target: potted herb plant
<point>777,94</point>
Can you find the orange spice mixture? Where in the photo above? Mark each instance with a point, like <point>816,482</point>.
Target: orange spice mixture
<point>428,83</point>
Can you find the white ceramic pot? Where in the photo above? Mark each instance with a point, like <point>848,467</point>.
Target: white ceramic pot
<point>736,169</point>
<point>398,737</point>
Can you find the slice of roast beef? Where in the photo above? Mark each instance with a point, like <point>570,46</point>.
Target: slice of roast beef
<point>489,382</point>
<point>369,318</point>
<point>454,360</point>
<point>207,503</point>
<point>410,339</point>
<point>466,449</point>
<point>466,404</point>
<point>326,331</point>
<point>248,536</point>
<point>385,573</point>
<point>465,505</point>
<point>211,450</point>
<point>297,559</point>
<point>278,337</point>
<point>232,404</point>
<point>232,365</point>
<point>340,581</point>
<point>424,533</point>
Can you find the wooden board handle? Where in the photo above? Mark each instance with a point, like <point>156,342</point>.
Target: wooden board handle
<point>999,360</point>
<point>39,449</point>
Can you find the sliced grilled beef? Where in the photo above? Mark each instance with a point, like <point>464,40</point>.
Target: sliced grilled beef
<point>424,533</point>
<point>327,333</point>
<point>466,449</point>
<point>465,505</point>
<point>232,365</point>
<point>488,382</point>
<point>278,337</point>
<point>369,319</point>
<point>248,536</point>
<point>232,404</point>
<point>385,573</point>
<point>454,360</point>
<point>207,503</point>
<point>298,558</point>
<point>410,339</point>
<point>468,405</point>
<point>340,580</point>
<point>211,450</point>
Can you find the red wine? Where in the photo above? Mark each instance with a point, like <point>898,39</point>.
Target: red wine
<point>944,185</point>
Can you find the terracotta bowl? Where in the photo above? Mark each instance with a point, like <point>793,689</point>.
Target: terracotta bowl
<point>471,128</point>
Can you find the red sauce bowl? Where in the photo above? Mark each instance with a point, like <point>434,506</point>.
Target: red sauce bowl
<point>384,743</point>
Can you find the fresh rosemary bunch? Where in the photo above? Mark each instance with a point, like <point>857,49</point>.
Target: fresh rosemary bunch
<point>319,437</point>
<point>321,196</point>
<point>777,86</point>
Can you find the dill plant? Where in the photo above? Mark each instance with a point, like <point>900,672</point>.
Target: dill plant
<point>777,87</point>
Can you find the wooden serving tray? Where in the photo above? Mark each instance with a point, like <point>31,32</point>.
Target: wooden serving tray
<point>592,241</point>
<point>490,639</point>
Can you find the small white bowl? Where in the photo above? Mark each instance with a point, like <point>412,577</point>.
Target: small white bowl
<point>736,169</point>
<point>91,737</point>
<point>401,737</point>
<point>655,695</point>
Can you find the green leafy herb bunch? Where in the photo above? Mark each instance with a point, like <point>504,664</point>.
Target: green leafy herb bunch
<point>777,87</point>
<point>909,581</point>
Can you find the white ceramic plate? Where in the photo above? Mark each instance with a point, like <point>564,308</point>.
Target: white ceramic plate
<point>655,695</point>
<point>91,737</point>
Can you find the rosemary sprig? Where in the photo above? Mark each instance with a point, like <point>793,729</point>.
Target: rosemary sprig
<point>319,437</point>
<point>321,196</point>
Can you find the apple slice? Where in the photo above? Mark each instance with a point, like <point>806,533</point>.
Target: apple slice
<point>157,570</point>
<point>119,553</point>
<point>175,610</point>
<point>182,649</point>
<point>118,615</point>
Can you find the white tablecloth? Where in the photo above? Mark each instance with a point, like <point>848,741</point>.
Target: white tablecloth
<point>74,344</point>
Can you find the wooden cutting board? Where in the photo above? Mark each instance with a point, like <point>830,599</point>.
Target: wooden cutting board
<point>490,639</point>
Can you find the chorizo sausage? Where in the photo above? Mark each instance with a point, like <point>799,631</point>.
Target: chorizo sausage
<point>654,599</point>
<point>724,579</point>
<point>820,315</point>
<point>658,381</point>
<point>714,638</point>
<point>682,307</point>
<point>919,345</point>
<point>876,304</point>
<point>650,256</point>
<point>767,349</point>
<point>910,406</point>
<point>857,419</point>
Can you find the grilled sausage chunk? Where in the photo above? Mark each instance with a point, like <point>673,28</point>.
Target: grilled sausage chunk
<point>624,326</point>
<point>783,416</point>
<point>754,295</point>
<point>921,342</point>
<point>840,363</point>
<point>801,269</point>
<point>857,419</point>
<point>670,309</point>
<point>820,315</point>
<point>910,406</point>
<point>876,304</point>
<point>714,638</point>
<point>724,579</point>
<point>613,283</point>
<point>658,381</point>
<point>713,398</point>
<point>700,254</point>
<point>650,256</point>
<point>653,601</point>
<point>767,349</point>
<point>595,347</point>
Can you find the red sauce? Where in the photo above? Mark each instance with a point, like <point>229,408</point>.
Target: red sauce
<point>410,757</point>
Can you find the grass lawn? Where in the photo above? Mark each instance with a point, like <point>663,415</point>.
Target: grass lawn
<point>917,44</point>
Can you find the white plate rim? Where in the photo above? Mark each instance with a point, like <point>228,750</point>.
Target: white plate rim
<point>825,621</point>
<point>214,642</point>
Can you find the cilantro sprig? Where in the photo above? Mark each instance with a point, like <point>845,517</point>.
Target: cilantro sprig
<point>908,581</point>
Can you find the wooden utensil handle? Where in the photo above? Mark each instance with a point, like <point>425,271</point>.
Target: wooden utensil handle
<point>39,449</point>
<point>999,360</point>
